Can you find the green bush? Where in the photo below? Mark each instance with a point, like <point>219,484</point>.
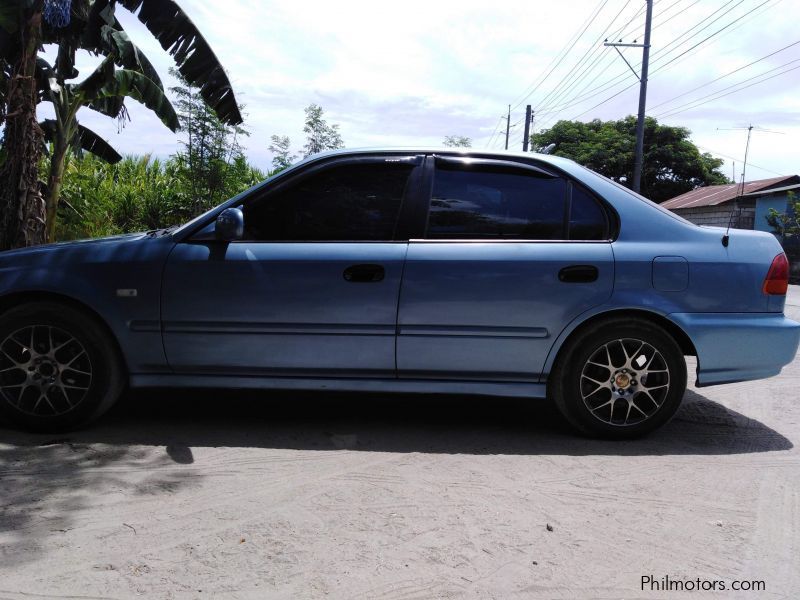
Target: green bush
<point>136,194</point>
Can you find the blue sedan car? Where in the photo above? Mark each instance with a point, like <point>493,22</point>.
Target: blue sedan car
<point>402,271</point>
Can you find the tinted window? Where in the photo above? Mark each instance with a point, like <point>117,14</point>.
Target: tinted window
<point>496,204</point>
<point>347,202</point>
<point>587,218</point>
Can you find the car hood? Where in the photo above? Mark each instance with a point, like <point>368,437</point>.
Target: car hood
<point>91,250</point>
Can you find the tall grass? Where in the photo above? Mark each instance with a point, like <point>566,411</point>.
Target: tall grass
<point>138,193</point>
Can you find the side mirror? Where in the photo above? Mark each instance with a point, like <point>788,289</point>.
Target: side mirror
<point>229,225</point>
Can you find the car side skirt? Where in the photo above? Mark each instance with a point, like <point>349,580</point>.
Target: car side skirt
<point>415,386</point>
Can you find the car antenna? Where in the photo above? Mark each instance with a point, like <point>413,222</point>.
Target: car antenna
<point>727,238</point>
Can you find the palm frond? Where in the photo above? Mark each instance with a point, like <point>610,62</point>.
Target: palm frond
<point>193,56</point>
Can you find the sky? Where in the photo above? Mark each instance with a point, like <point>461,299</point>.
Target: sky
<point>410,73</point>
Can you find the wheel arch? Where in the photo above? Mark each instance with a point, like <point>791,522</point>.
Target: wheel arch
<point>14,299</point>
<point>670,327</point>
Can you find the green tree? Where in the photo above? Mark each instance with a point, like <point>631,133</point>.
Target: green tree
<point>672,163</point>
<point>457,141</point>
<point>319,135</point>
<point>210,148</point>
<point>786,223</point>
<point>124,72</point>
<point>282,155</point>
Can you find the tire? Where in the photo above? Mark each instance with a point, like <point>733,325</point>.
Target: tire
<point>59,369</point>
<point>619,379</point>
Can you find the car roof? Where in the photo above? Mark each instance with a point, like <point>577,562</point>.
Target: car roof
<point>501,154</point>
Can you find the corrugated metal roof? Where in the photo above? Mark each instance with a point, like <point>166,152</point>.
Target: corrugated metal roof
<point>772,190</point>
<point>718,194</point>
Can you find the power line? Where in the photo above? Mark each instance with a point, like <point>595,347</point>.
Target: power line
<point>622,33</point>
<point>658,55</point>
<point>592,48</point>
<point>662,67</point>
<point>713,34</point>
<point>569,46</point>
<point>583,65</point>
<point>496,128</point>
<point>549,112</point>
<point>750,163</point>
<point>581,75</point>
<point>725,75</point>
<point>580,97</point>
<point>679,109</point>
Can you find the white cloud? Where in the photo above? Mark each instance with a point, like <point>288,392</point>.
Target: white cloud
<point>412,72</point>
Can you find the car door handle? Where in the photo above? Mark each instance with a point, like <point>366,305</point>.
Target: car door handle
<point>364,273</point>
<point>578,274</point>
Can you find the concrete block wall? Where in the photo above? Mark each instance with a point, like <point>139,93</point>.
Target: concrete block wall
<point>717,215</point>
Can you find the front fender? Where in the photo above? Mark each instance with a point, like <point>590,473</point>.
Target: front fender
<point>120,282</point>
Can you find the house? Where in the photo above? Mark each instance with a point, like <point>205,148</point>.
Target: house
<point>712,205</point>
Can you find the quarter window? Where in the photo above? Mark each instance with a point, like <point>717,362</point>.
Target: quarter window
<point>587,219</point>
<point>341,203</point>
<point>484,203</point>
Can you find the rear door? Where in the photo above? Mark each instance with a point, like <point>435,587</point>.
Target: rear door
<point>511,254</point>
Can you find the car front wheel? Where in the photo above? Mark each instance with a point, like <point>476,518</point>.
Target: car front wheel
<point>58,368</point>
<point>620,379</point>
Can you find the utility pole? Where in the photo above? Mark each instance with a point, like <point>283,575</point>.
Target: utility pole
<point>639,152</point>
<point>508,125</point>
<point>528,119</point>
<point>639,160</point>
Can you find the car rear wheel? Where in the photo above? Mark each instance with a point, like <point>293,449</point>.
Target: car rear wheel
<point>620,379</point>
<point>58,368</point>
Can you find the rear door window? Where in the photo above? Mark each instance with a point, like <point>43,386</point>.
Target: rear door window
<point>485,203</point>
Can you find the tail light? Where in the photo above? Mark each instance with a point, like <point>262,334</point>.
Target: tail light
<point>776,282</point>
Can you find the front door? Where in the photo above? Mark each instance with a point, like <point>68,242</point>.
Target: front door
<point>312,288</point>
<point>512,253</point>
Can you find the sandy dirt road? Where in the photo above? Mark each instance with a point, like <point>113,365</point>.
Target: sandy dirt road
<point>313,496</point>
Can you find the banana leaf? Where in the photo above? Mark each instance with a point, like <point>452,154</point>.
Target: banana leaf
<point>193,56</point>
<point>108,82</point>
<point>85,139</point>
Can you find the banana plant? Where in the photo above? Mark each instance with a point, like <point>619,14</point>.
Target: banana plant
<point>125,72</point>
<point>104,91</point>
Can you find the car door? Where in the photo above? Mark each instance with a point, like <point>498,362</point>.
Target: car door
<point>496,277</point>
<point>312,287</point>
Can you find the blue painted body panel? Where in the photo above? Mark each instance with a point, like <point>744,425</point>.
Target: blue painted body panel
<point>460,299</point>
<point>90,272</point>
<point>480,317</point>
<point>281,309</point>
<point>670,273</point>
<point>740,346</point>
